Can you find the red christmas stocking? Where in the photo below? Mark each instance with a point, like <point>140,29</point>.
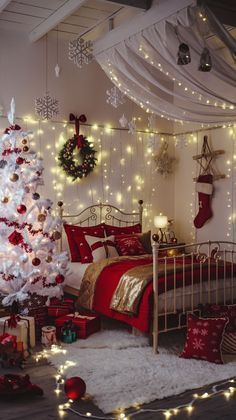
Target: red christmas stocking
<point>204,188</point>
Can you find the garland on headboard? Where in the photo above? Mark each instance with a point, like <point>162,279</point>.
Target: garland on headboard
<point>68,159</point>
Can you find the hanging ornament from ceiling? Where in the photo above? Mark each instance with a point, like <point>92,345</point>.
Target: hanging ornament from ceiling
<point>46,107</point>
<point>115,97</point>
<point>164,163</point>
<point>80,51</point>
<point>123,121</point>
<point>57,67</point>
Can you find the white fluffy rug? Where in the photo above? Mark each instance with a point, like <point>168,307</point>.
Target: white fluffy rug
<point>120,370</point>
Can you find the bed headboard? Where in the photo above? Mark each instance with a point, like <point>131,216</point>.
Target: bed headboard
<point>102,213</point>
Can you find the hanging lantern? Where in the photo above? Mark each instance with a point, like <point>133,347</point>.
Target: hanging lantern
<point>205,61</point>
<point>183,56</point>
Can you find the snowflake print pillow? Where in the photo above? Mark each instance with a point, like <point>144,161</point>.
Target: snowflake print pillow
<point>204,339</point>
<point>129,246</point>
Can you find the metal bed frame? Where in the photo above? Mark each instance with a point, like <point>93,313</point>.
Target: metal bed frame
<point>219,291</point>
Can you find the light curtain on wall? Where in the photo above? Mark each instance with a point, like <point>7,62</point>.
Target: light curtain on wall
<point>144,67</point>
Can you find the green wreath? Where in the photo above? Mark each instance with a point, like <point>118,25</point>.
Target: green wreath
<point>68,159</point>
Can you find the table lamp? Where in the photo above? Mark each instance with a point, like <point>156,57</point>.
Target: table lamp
<point>161,223</point>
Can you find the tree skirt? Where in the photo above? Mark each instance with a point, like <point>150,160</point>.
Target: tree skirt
<point>120,370</point>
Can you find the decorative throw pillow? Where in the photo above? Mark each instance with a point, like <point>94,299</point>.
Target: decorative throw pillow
<point>219,311</point>
<point>145,239</point>
<point>229,343</point>
<point>204,339</point>
<point>122,230</point>
<point>129,245</point>
<point>75,235</point>
<point>100,248</point>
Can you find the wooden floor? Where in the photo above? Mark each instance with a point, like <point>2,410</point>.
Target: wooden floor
<point>46,407</point>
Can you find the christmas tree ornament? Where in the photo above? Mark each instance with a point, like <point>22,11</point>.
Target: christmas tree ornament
<point>25,149</point>
<point>123,121</point>
<point>57,70</point>
<point>56,235</point>
<point>35,196</point>
<point>67,157</point>
<point>41,217</point>
<point>75,388</point>
<point>14,177</point>
<point>36,261</point>
<point>80,51</point>
<point>5,200</point>
<point>20,160</point>
<point>48,259</point>
<point>115,97</point>
<point>21,209</point>
<point>24,141</point>
<point>15,238</point>
<point>59,278</point>
<point>3,163</point>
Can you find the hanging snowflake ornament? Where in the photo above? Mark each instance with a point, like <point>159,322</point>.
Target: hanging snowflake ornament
<point>80,51</point>
<point>132,126</point>
<point>164,163</point>
<point>123,121</point>
<point>46,107</point>
<point>115,97</point>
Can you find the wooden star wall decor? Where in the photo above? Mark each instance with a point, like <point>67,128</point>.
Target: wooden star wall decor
<point>206,160</point>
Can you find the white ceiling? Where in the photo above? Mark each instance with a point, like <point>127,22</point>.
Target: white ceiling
<point>69,17</point>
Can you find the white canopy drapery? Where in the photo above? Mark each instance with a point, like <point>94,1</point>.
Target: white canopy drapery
<point>144,68</point>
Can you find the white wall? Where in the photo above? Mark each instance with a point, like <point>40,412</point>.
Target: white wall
<point>22,75</point>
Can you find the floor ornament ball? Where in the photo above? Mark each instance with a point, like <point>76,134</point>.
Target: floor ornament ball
<point>75,388</point>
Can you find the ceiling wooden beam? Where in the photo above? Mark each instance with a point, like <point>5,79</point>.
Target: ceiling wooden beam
<point>4,4</point>
<point>158,12</point>
<point>53,20</point>
<point>140,4</point>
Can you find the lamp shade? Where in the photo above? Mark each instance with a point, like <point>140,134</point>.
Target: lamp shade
<point>160,221</point>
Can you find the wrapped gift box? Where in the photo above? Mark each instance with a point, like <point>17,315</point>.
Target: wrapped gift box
<point>86,325</point>
<point>40,315</point>
<point>24,330</point>
<point>58,307</point>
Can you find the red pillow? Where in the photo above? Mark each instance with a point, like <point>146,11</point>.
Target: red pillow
<point>120,230</point>
<point>204,338</point>
<point>130,245</point>
<point>75,235</point>
<point>225,311</point>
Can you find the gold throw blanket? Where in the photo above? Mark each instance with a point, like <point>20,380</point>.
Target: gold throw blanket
<point>132,284</point>
<point>88,285</point>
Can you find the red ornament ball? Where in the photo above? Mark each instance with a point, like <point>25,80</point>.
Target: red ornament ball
<point>24,141</point>
<point>75,388</point>
<point>21,209</point>
<point>59,278</point>
<point>36,261</point>
<point>19,160</point>
<point>25,149</point>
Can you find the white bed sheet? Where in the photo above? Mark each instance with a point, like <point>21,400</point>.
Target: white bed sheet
<point>75,274</point>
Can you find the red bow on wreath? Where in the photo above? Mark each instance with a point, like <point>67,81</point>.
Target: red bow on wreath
<point>78,120</point>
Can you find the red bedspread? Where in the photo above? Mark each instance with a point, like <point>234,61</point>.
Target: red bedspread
<point>109,279</point>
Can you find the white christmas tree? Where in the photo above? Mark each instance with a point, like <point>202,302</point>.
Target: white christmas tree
<point>29,261</point>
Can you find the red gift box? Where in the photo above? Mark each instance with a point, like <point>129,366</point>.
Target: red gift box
<point>40,315</point>
<point>58,307</point>
<point>87,325</point>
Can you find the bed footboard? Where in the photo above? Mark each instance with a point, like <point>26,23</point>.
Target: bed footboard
<point>204,274</point>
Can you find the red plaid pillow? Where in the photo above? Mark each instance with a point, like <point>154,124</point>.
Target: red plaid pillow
<point>77,242</point>
<point>204,338</point>
<point>129,245</point>
<point>121,230</point>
